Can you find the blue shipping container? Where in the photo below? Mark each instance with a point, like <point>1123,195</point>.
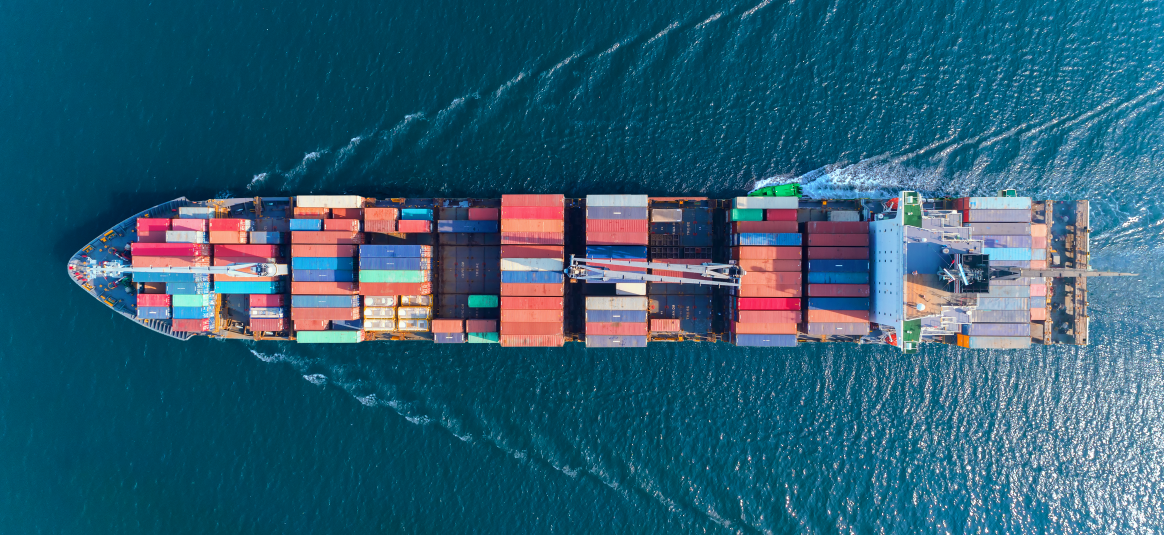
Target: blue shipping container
<point>323,275</point>
<point>839,266</point>
<point>1000,203</point>
<point>266,238</point>
<point>1003,303</point>
<point>188,288</point>
<point>766,340</point>
<point>312,262</point>
<point>612,316</point>
<point>306,224</point>
<point>248,287</point>
<point>416,213</point>
<point>193,313</point>
<point>534,277</point>
<point>996,329</point>
<point>616,251</point>
<point>395,251</point>
<point>1007,253</point>
<point>170,277</point>
<point>325,301</point>
<point>602,340</point>
<point>1005,241</point>
<point>448,338</point>
<point>616,212</point>
<point>1011,263</point>
<point>407,264</point>
<point>456,225</point>
<point>837,277</point>
<point>153,313</point>
<point>838,303</point>
<point>766,239</point>
<point>347,325</point>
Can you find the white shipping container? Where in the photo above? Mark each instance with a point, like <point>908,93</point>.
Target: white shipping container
<point>667,215</point>
<point>197,212</point>
<point>1000,203</point>
<point>266,312</point>
<point>616,303</point>
<point>412,325</point>
<point>414,313</point>
<point>616,200</point>
<point>531,264</point>
<point>379,325</point>
<point>630,288</point>
<point>380,312</point>
<point>844,215</point>
<point>416,300</point>
<point>768,203</point>
<point>329,201</point>
<point>380,301</point>
<point>185,236</point>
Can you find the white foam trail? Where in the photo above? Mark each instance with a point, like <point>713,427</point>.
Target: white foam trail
<point>344,154</point>
<point>390,139</point>
<point>758,7</point>
<point>663,33</point>
<point>317,379</point>
<point>709,20</point>
<point>298,171</point>
<point>257,180</point>
<point>444,117</point>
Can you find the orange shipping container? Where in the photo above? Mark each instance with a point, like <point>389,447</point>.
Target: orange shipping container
<point>381,214</point>
<point>838,253</point>
<point>1038,264</point>
<point>765,253</point>
<point>771,277</point>
<point>311,213</point>
<point>532,238</point>
<point>227,236</point>
<point>540,327</point>
<point>312,325</point>
<point>616,238</point>
<point>763,328</point>
<point>616,329</point>
<point>347,213</point>
<point>769,290</point>
<point>1039,230</point>
<point>768,316</point>
<point>532,225</point>
<point>838,316</point>
<point>448,326</point>
<point>533,200</point>
<point>531,251</point>
<point>331,237</point>
<point>324,288</point>
<point>533,212</point>
<point>342,224</point>
<point>382,226</point>
<point>1038,314</point>
<point>532,289</point>
<point>531,303</point>
<point>769,265</point>
<point>396,288</point>
<point>616,225</point>
<point>553,340</point>
<point>665,326</point>
<point>324,251</point>
<point>532,315</point>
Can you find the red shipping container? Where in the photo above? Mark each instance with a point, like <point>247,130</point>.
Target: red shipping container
<point>324,288</point>
<point>533,225</point>
<point>1038,314</point>
<point>324,251</point>
<point>784,214</point>
<point>448,326</point>
<point>553,340</point>
<point>1038,290</point>
<point>533,212</point>
<point>331,237</point>
<point>152,223</point>
<point>227,236</point>
<point>347,213</point>
<point>778,227</point>
<point>226,260</point>
<point>195,225</point>
<point>382,226</point>
<point>527,328</point>
<point>765,253</point>
<point>341,224</point>
<point>616,225</point>
<point>531,303</point>
<point>838,316</point>
<point>763,328</point>
<point>769,265</point>
<point>153,300</point>
<point>480,326</point>
<point>838,227</point>
<point>838,253</point>
<point>838,290</point>
<point>532,289</point>
<point>414,226</point>
<point>665,326</point>
<point>614,329</point>
<point>616,238</point>
<point>170,261</point>
<point>312,325</point>
<point>769,290</point>
<point>247,251</point>
<point>170,249</point>
<point>532,238</point>
<point>669,273</point>
<point>532,315</point>
<point>768,316</point>
<point>1038,242</point>
<point>151,236</point>
<point>533,200</point>
<point>190,325</point>
<point>396,288</point>
<point>266,300</point>
<point>300,313</point>
<point>771,277</point>
<point>381,214</point>
<point>311,213</point>
<point>531,251</point>
<point>768,303</point>
<point>268,324</point>
<point>838,240</point>
<point>230,224</point>
<point>483,214</point>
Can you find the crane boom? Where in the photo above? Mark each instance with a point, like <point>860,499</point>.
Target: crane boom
<point>716,274</point>
<point>249,269</point>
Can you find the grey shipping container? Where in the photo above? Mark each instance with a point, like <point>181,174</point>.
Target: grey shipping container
<point>997,329</point>
<point>839,329</point>
<point>1003,303</point>
<point>765,340</point>
<point>615,341</point>
<point>616,212</point>
<point>1000,316</point>
<point>1000,229</point>
<point>266,238</point>
<point>1009,291</point>
<point>448,338</point>
<point>999,342</point>
<point>1038,302</point>
<point>1005,241</point>
<point>617,200</point>
<point>666,215</point>
<point>999,216</point>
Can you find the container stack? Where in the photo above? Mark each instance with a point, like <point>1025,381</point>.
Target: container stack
<point>414,221</point>
<point>380,220</point>
<point>192,311</point>
<point>470,277</point>
<point>230,230</point>
<point>616,321</point>
<point>1010,239</point>
<point>1038,261</point>
<point>681,233</point>
<point>268,313</point>
<point>838,278</point>
<point>766,244</point>
<point>531,263</point>
<point>1001,320</point>
<point>325,233</point>
<point>152,230</point>
<point>227,254</point>
<point>400,276</point>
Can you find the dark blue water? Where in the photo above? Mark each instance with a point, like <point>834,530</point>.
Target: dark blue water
<point>107,108</point>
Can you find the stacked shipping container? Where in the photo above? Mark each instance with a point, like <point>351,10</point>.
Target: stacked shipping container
<point>532,281</point>
<point>470,274</point>
<point>681,233</point>
<point>766,244</point>
<point>189,302</point>
<point>838,278</point>
<point>398,274</point>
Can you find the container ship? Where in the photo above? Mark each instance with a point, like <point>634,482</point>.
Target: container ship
<point>770,269</point>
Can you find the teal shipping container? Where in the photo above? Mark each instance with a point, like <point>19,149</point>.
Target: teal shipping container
<point>329,337</point>
<point>424,214</point>
<point>395,275</point>
<point>1007,253</point>
<point>248,287</point>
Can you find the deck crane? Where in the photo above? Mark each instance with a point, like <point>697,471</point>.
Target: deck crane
<point>715,274</point>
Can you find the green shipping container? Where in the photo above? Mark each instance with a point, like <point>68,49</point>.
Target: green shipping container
<point>747,214</point>
<point>483,338</point>
<point>394,275</point>
<point>192,300</point>
<point>329,337</point>
<point>482,301</point>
